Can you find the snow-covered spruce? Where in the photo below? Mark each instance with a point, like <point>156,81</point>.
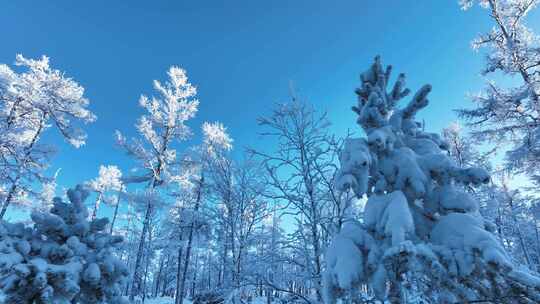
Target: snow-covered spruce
<point>63,258</point>
<point>421,232</point>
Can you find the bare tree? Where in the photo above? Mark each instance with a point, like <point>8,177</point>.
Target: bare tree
<point>300,173</point>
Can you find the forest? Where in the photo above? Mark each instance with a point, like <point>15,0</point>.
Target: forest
<point>392,211</point>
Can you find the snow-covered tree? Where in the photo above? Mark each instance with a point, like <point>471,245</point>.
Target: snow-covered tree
<point>421,234</point>
<point>205,158</point>
<point>62,258</point>
<point>160,129</point>
<point>109,179</point>
<point>266,266</point>
<point>240,208</point>
<point>507,209</point>
<point>506,114</point>
<point>514,220</point>
<point>462,148</point>
<point>48,193</point>
<point>31,102</point>
<point>466,152</point>
<point>509,114</point>
<point>216,140</point>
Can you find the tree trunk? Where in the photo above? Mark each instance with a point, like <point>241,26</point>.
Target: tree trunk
<point>209,268</point>
<point>115,214</point>
<point>194,282</point>
<point>233,260</point>
<point>520,235</point>
<point>136,273</point>
<point>158,276</point>
<point>9,197</point>
<point>190,240</point>
<point>537,244</point>
<point>178,274</point>
<point>523,246</point>
<point>96,205</point>
<point>166,279</point>
<point>145,278</point>
<point>317,258</point>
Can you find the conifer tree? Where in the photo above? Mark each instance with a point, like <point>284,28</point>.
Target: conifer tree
<point>62,258</point>
<point>421,234</point>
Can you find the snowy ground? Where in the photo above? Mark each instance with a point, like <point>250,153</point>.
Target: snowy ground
<point>163,300</point>
<point>169,300</point>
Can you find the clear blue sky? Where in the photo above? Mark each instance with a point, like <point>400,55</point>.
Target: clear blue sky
<point>242,55</point>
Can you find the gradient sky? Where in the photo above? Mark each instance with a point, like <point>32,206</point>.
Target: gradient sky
<point>242,55</point>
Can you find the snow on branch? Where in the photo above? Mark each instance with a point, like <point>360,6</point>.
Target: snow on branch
<point>420,226</point>
<point>61,258</point>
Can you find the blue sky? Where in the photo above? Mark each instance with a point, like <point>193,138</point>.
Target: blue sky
<point>242,55</point>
